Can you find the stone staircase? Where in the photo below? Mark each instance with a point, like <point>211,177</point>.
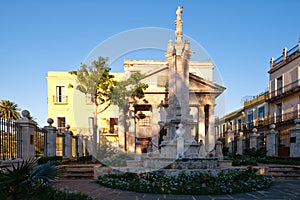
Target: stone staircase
<point>283,172</point>
<point>77,171</point>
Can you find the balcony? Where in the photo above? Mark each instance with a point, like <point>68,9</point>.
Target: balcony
<point>60,100</point>
<point>281,119</point>
<point>284,91</point>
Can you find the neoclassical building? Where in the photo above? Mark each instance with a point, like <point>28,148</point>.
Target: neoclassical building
<point>179,91</point>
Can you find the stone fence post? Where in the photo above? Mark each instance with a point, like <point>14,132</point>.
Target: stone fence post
<point>295,139</point>
<point>240,144</point>
<point>79,150</point>
<point>26,140</point>
<point>50,140</point>
<point>253,139</point>
<point>67,142</point>
<point>272,145</point>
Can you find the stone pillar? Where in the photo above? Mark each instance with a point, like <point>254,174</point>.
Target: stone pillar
<point>295,139</point>
<point>86,145</point>
<point>50,139</point>
<point>211,131</point>
<point>131,134</point>
<point>26,136</point>
<point>79,145</point>
<point>230,141</point>
<point>67,142</point>
<point>219,152</point>
<point>253,139</point>
<point>121,131</point>
<point>138,154</point>
<point>272,144</point>
<point>240,144</point>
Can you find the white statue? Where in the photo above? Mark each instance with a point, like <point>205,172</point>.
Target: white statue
<point>180,141</point>
<point>202,152</point>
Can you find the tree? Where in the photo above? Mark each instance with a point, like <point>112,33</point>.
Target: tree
<point>126,92</point>
<point>9,111</point>
<point>96,81</point>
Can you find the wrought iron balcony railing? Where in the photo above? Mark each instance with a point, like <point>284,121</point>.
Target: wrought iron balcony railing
<point>60,99</point>
<point>287,89</point>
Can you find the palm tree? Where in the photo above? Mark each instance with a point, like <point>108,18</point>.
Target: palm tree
<point>9,111</point>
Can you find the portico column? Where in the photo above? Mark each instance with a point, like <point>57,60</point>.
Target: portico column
<point>201,124</point>
<point>211,133</point>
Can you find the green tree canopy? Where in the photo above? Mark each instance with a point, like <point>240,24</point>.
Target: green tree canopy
<point>129,88</point>
<point>9,110</point>
<point>96,80</point>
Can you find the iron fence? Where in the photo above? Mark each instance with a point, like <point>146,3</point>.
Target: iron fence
<point>10,146</point>
<point>40,145</point>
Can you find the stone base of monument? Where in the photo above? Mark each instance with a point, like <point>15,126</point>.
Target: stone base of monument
<point>191,150</point>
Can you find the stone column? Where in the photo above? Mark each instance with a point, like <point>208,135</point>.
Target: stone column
<point>253,139</point>
<point>240,144</point>
<point>121,130</point>
<point>211,129</point>
<point>131,133</point>
<point>272,144</point>
<point>295,139</point>
<point>67,142</point>
<point>50,140</point>
<point>26,136</point>
<point>79,145</point>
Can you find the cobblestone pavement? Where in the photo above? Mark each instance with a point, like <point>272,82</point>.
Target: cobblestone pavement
<point>285,189</point>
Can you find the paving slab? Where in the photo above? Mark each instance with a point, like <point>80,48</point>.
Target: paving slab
<point>281,189</point>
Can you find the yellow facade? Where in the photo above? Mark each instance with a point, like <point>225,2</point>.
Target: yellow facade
<point>67,105</point>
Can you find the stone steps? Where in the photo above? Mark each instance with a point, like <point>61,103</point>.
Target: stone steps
<point>76,171</point>
<point>284,172</point>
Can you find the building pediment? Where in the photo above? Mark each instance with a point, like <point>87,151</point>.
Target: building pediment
<point>199,85</point>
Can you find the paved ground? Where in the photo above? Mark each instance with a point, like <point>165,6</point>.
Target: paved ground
<point>280,190</point>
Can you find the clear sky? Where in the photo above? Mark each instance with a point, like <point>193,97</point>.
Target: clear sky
<point>41,36</point>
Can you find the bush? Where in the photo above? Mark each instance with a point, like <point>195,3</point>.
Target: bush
<point>51,193</point>
<point>196,183</point>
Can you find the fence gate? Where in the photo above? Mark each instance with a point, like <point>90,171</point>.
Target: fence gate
<point>40,142</point>
<point>10,146</point>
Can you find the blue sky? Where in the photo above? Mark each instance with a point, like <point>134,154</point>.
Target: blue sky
<point>41,36</point>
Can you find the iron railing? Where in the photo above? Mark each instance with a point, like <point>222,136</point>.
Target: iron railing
<point>290,52</point>
<point>284,90</point>
<point>60,99</point>
<point>40,143</point>
<point>10,146</point>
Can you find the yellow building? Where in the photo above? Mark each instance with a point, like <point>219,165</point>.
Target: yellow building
<point>67,105</point>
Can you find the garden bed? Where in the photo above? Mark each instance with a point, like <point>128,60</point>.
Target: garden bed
<point>196,183</point>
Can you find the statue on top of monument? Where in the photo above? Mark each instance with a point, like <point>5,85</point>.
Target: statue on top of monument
<point>178,23</point>
<point>179,13</point>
